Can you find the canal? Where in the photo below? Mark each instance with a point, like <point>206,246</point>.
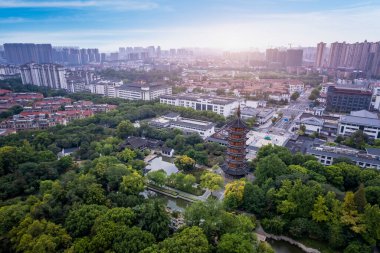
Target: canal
<point>284,247</point>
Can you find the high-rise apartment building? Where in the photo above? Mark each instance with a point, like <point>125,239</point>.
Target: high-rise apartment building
<point>363,56</point>
<point>21,53</point>
<point>319,59</point>
<point>75,56</point>
<point>285,58</point>
<point>48,75</point>
<point>294,57</point>
<point>271,55</point>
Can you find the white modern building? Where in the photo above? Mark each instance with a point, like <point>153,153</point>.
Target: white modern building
<point>363,120</point>
<point>9,70</point>
<point>255,103</point>
<point>312,124</point>
<point>106,88</point>
<point>188,126</point>
<point>296,87</point>
<point>279,96</point>
<point>326,155</point>
<point>220,105</point>
<point>376,98</point>
<point>262,115</point>
<point>48,75</point>
<point>136,91</point>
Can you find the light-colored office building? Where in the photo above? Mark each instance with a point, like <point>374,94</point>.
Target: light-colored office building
<point>106,88</point>
<point>173,120</point>
<point>326,155</point>
<point>136,91</point>
<point>220,105</point>
<point>296,87</point>
<point>262,115</point>
<point>363,120</point>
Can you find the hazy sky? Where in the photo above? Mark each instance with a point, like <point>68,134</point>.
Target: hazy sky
<point>229,24</point>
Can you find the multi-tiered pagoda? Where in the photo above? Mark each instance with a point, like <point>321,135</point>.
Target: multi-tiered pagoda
<point>236,164</point>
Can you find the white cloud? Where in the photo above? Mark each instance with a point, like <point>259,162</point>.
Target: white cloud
<point>264,30</point>
<point>13,20</point>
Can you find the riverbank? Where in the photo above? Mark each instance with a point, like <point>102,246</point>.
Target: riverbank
<point>175,193</point>
<point>293,242</point>
<point>260,231</point>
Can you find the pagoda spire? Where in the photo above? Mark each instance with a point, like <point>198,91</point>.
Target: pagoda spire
<point>235,163</point>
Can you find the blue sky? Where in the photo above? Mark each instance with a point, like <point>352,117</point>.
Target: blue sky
<point>228,24</point>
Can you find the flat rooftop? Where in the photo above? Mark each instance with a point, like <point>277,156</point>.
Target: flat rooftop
<point>259,139</point>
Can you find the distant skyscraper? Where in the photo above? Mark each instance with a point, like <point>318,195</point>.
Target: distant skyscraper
<point>363,56</point>
<point>271,55</point>
<point>294,57</point>
<point>20,53</point>
<point>321,49</point>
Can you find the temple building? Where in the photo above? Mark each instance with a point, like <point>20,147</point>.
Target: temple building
<point>236,164</point>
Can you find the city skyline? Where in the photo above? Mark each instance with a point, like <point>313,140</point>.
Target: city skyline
<point>218,24</point>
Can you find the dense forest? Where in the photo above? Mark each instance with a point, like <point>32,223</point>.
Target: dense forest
<point>295,195</point>
<point>92,202</point>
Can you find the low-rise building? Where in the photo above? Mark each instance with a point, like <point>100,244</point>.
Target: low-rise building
<point>32,122</point>
<point>376,97</point>
<point>312,124</point>
<point>262,115</point>
<point>326,155</point>
<point>137,91</point>
<point>88,105</point>
<point>48,112</point>
<point>188,126</point>
<point>278,96</point>
<point>325,125</point>
<point>362,120</point>
<point>296,87</point>
<point>343,100</point>
<point>220,105</point>
<point>168,152</point>
<point>106,88</point>
<point>255,103</point>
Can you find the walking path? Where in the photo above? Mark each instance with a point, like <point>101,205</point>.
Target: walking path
<point>180,194</point>
<point>150,157</point>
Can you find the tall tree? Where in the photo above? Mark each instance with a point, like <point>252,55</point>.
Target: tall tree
<point>185,163</point>
<point>211,181</point>
<point>235,243</point>
<point>153,217</point>
<point>39,236</point>
<point>360,199</point>
<point>125,129</point>
<point>320,211</point>
<point>270,167</point>
<point>133,183</point>
<point>190,240</point>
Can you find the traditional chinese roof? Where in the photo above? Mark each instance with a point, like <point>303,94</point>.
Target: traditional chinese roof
<point>238,122</point>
